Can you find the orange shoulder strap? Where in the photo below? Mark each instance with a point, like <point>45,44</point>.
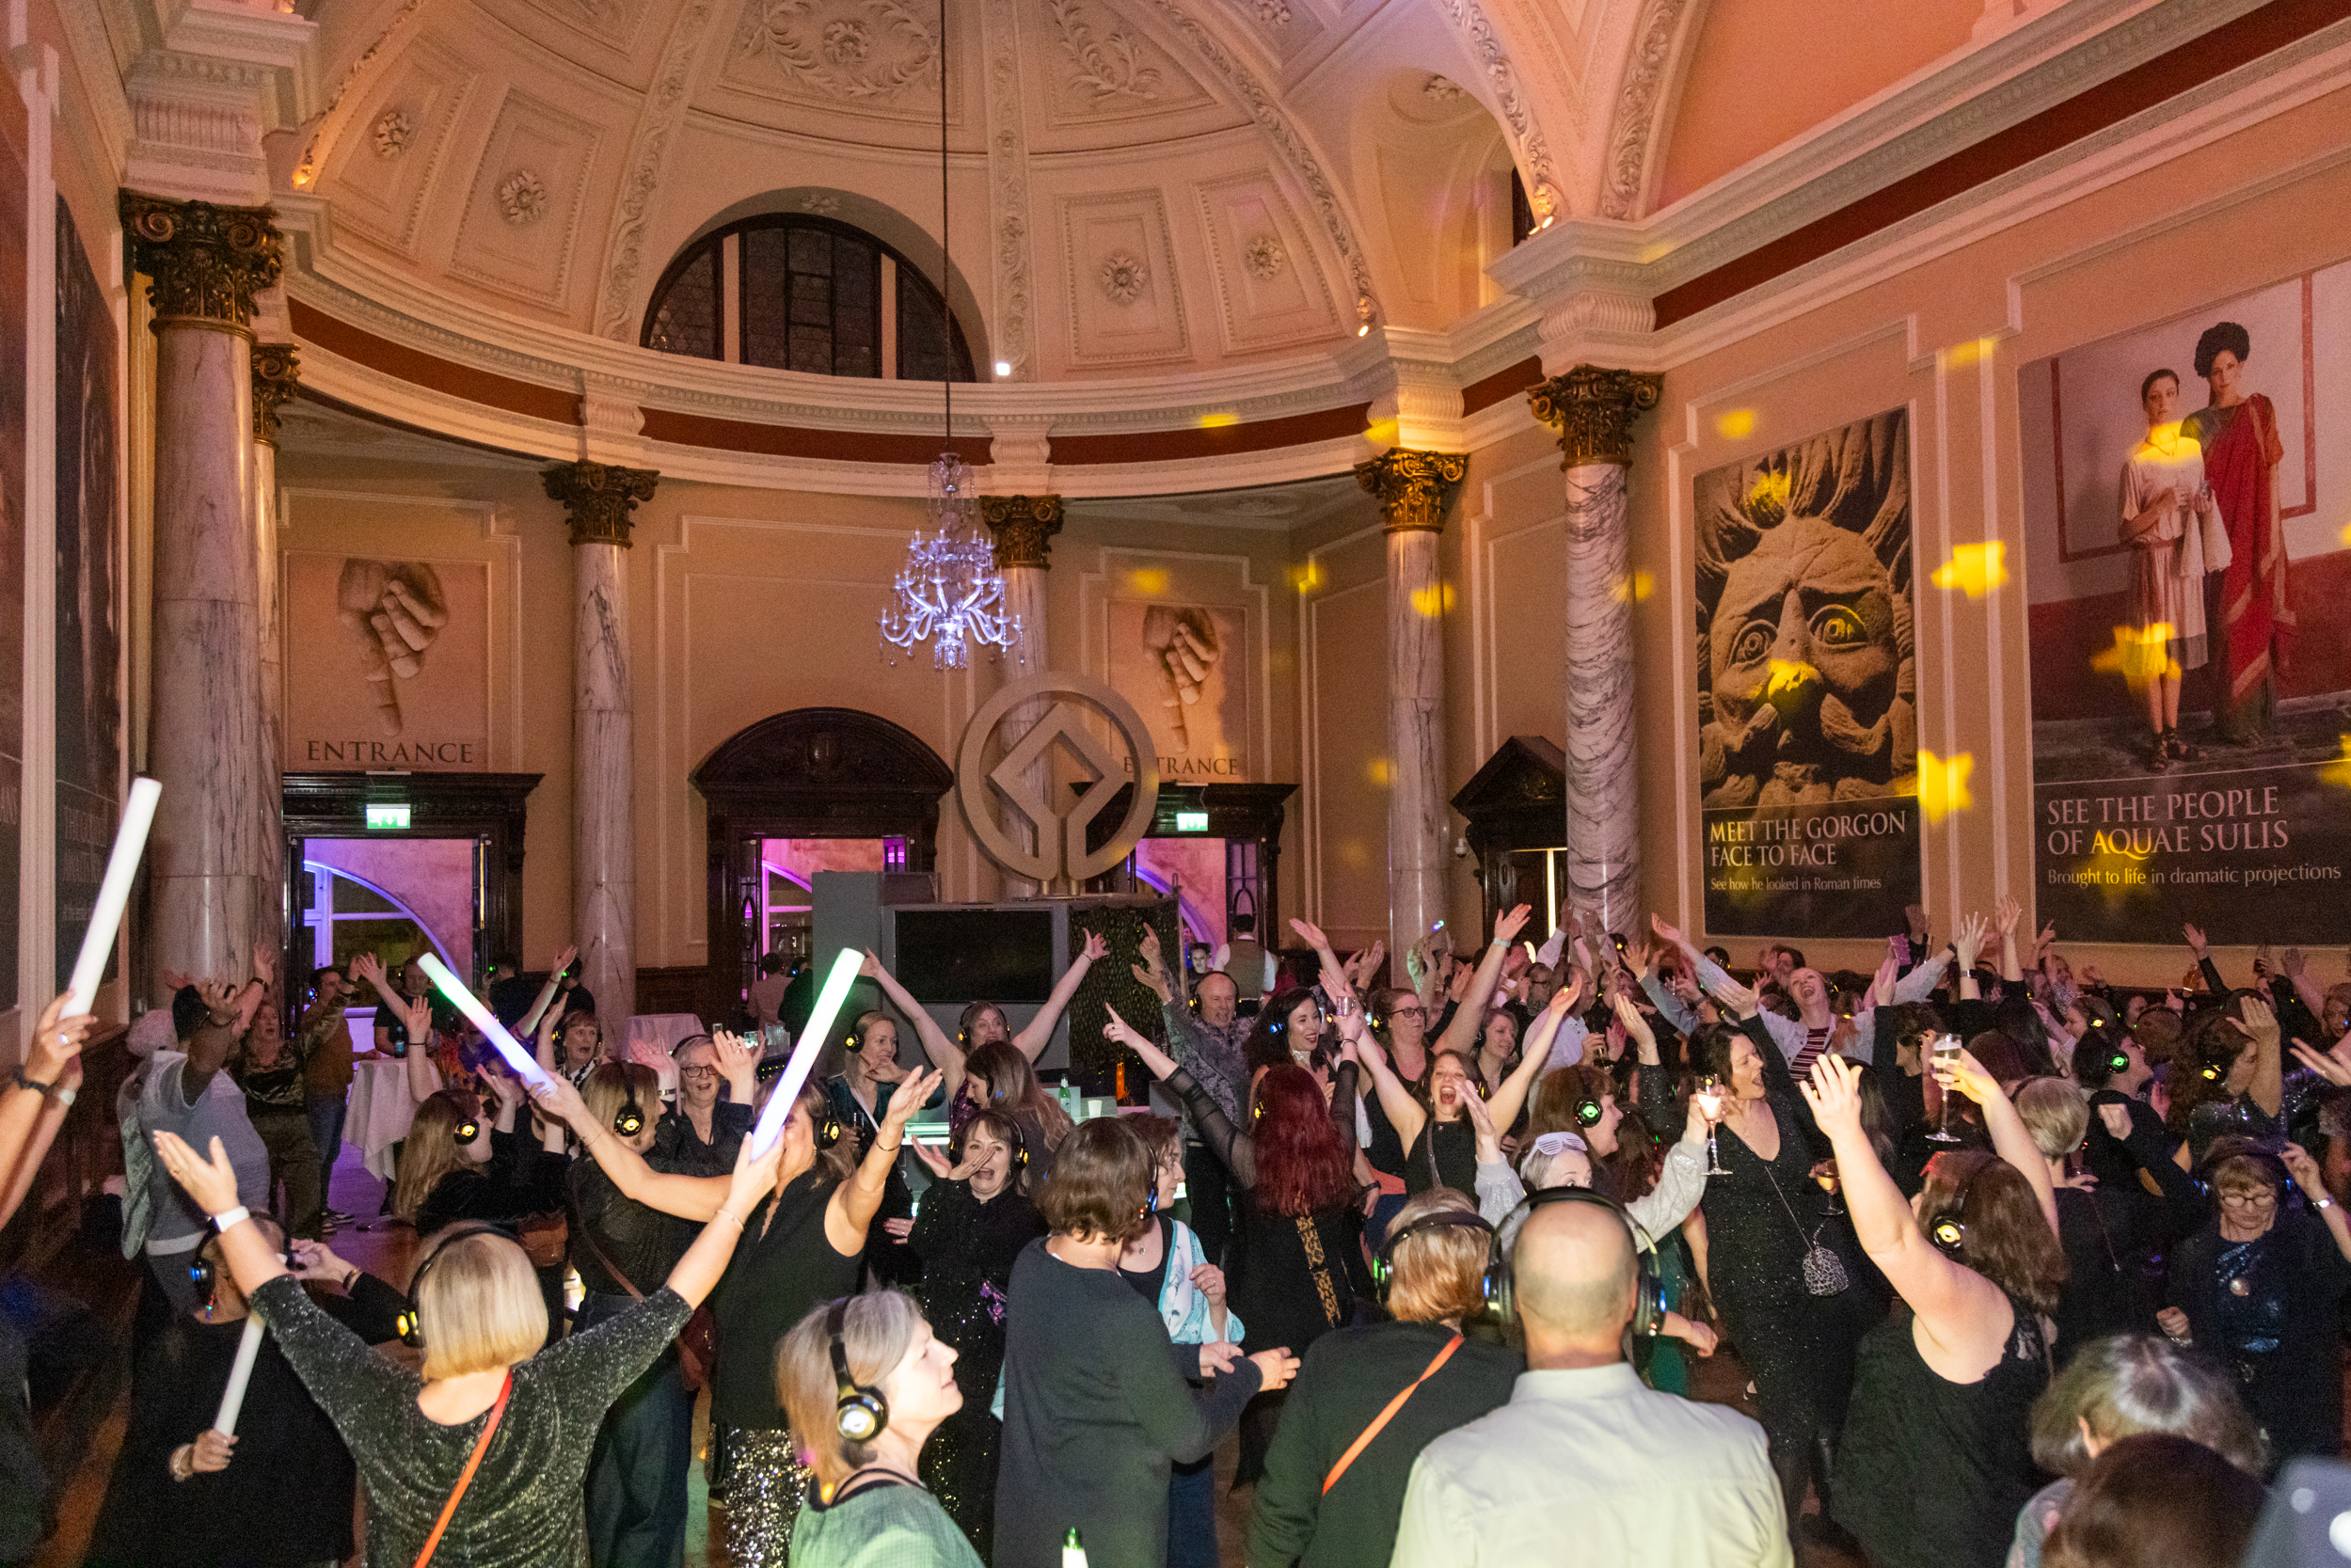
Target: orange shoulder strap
<point>1380,1420</point>
<point>480,1447</point>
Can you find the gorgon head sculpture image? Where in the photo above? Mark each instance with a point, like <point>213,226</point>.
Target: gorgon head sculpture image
<point>1807,687</point>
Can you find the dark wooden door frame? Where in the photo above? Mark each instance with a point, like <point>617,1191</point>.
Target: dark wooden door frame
<point>491,807</point>
<point>814,772</point>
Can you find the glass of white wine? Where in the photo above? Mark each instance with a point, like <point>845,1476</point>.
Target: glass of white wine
<point>1710,1105</point>
<point>1946,1056</point>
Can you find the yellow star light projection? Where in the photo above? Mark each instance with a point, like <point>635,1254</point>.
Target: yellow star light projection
<point>1974,569</point>
<point>2339,771</point>
<point>2138,656</point>
<point>1943,784</point>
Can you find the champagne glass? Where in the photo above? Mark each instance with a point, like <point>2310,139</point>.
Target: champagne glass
<point>1946,1056</point>
<point>1710,1101</point>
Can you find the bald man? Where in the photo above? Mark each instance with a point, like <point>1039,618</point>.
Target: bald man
<point>1584,1452</point>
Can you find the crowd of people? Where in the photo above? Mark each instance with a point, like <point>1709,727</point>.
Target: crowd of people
<point>2022,1268</point>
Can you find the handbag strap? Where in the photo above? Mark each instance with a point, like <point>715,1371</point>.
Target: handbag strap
<point>587,1234</point>
<point>1364,1439</point>
<point>1811,1241</point>
<point>480,1447</point>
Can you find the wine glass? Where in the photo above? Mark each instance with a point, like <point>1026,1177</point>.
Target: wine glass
<point>1946,1056</point>
<point>1711,1107</point>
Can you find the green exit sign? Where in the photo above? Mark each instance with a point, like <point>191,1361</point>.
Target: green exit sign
<point>1191,822</point>
<point>381,817</point>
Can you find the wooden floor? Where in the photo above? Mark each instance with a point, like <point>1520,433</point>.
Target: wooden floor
<point>388,1249</point>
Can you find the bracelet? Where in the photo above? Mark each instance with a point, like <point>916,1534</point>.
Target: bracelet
<point>33,1084</point>
<point>349,1280</point>
<point>729,1215</point>
<point>173,1464</point>
<point>2322,1203</point>
<point>226,1218</point>
<point>890,1149</point>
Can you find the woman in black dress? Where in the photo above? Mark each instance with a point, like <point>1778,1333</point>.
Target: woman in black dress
<point>975,1219</point>
<point>1296,1263</point>
<point>1937,1451</point>
<point>1439,1139</point>
<point>801,1246</point>
<point>1779,1268</point>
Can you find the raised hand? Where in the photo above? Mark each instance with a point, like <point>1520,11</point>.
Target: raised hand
<point>734,1053</point>
<point>1096,949</point>
<point>932,1161</point>
<point>1881,985</point>
<point>556,1098</point>
<point>911,1094</point>
<point>2334,1069</point>
<point>2305,1172</point>
<point>1508,924</point>
<point>1150,944</point>
<point>1834,1095</point>
<point>1153,979</point>
<point>1640,958</point>
<point>507,1088</point>
<point>1669,935</point>
<point>1635,1026</point>
<point>1974,931</point>
<point>56,1041</point>
<point>368,967</point>
<point>2295,964</point>
<point>2260,1024</point>
<point>211,1184</point>
<point>264,961</point>
<point>1118,1029</point>
<point>2196,942</point>
<point>2005,916</point>
<point>1968,1076</point>
<point>220,1001</point>
<point>563,959</point>
<point>1310,934</point>
<point>870,967</point>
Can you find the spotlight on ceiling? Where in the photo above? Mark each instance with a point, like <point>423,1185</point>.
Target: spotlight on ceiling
<point>1004,367</point>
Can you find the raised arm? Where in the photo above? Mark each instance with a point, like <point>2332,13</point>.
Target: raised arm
<point>944,1053</point>
<point>1974,931</point>
<point>1405,1113</point>
<point>2005,916</point>
<point>2297,971</point>
<point>1033,1040</point>
<point>850,1210</point>
<point>2268,1087</point>
<point>30,1115</point>
<point>211,1184</point>
<point>1947,1295</point>
<point>1462,1033</point>
<point>2010,1138</point>
<point>2308,1177</point>
<point>554,987</point>
<point>690,1198</point>
<point>698,1274</point>
<point>215,1038</point>
<point>1511,1098</point>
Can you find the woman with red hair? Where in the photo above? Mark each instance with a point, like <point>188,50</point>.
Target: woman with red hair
<point>1296,1263</point>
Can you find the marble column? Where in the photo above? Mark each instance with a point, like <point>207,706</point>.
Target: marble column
<point>1415,488</point>
<point>598,497</point>
<point>276,373</point>
<point>209,874</point>
<point>1023,527</point>
<point>1594,410</point>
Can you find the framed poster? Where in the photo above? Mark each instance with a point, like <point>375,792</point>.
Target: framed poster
<point>89,637</point>
<point>388,664</point>
<point>1186,667</point>
<point>13,349</point>
<point>2191,685</point>
<point>1807,690</point>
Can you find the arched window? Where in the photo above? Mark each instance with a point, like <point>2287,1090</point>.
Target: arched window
<point>796,292</point>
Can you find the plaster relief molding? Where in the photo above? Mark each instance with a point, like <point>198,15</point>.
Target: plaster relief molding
<point>522,197</point>
<point>203,90</point>
<point>616,302</point>
<point>90,52</point>
<point>1265,107</point>
<point>1265,255</point>
<point>1417,404</point>
<point>1109,69</point>
<point>1527,140</point>
<point>1020,454</point>
<point>1591,321</point>
<point>606,411</point>
<point>1124,277</point>
<point>328,127</point>
<point>1008,193</point>
<point>395,133</point>
<point>1640,100</point>
<point>856,52</point>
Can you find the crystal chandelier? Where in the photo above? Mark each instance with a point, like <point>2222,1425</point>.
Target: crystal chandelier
<point>949,593</point>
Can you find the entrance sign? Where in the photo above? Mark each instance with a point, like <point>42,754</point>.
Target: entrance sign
<point>1068,702</point>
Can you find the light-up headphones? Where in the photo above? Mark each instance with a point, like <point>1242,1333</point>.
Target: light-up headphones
<point>468,1129</point>
<point>859,1413</point>
<point>410,1321</point>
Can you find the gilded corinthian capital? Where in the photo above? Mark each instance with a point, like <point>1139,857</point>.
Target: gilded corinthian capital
<point>1414,487</point>
<point>1593,409</point>
<point>598,497</point>
<point>207,262</point>
<point>1024,526</point>
<point>277,375</point>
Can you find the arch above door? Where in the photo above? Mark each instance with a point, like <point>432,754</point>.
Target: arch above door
<point>813,772</point>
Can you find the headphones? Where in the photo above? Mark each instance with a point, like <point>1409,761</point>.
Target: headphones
<point>1588,1110</point>
<point>468,1129</point>
<point>200,1271</point>
<point>1648,1304</point>
<point>1384,1261</point>
<point>1949,1235</point>
<point>2118,1060</point>
<point>410,1321</point>
<point>859,1413</point>
<point>629,1119</point>
<point>2213,1073</point>
<point>829,1131</point>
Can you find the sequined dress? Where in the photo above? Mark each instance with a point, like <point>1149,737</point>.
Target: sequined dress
<point>967,1248</point>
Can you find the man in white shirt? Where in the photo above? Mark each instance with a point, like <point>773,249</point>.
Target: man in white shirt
<point>1585,1464</point>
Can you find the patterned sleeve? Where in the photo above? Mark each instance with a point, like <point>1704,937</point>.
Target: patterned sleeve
<point>590,1369</point>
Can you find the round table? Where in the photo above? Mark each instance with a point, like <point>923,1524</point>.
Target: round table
<point>380,1112</point>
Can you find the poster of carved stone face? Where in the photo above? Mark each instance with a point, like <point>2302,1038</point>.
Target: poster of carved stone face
<point>12,412</point>
<point>387,664</point>
<point>1186,667</point>
<point>89,638</point>
<point>1807,718</point>
<point>2185,573</point>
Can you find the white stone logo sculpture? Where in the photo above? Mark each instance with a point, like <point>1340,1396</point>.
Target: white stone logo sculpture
<point>1061,854</point>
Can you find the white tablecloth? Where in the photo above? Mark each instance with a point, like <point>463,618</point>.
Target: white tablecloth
<point>380,1111</point>
<point>661,1030</point>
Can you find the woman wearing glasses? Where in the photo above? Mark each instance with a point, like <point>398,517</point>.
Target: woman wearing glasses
<point>2259,1290</point>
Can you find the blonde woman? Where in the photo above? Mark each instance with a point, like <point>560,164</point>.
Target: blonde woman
<point>492,1395</point>
<point>454,1165</point>
<point>872,1505</point>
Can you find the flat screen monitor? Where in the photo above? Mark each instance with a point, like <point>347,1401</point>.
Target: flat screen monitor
<point>976,955</point>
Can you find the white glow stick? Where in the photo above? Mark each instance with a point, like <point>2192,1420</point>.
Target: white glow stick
<point>525,1065</point>
<point>779,1106</point>
<point>114,892</point>
<point>233,1396</point>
